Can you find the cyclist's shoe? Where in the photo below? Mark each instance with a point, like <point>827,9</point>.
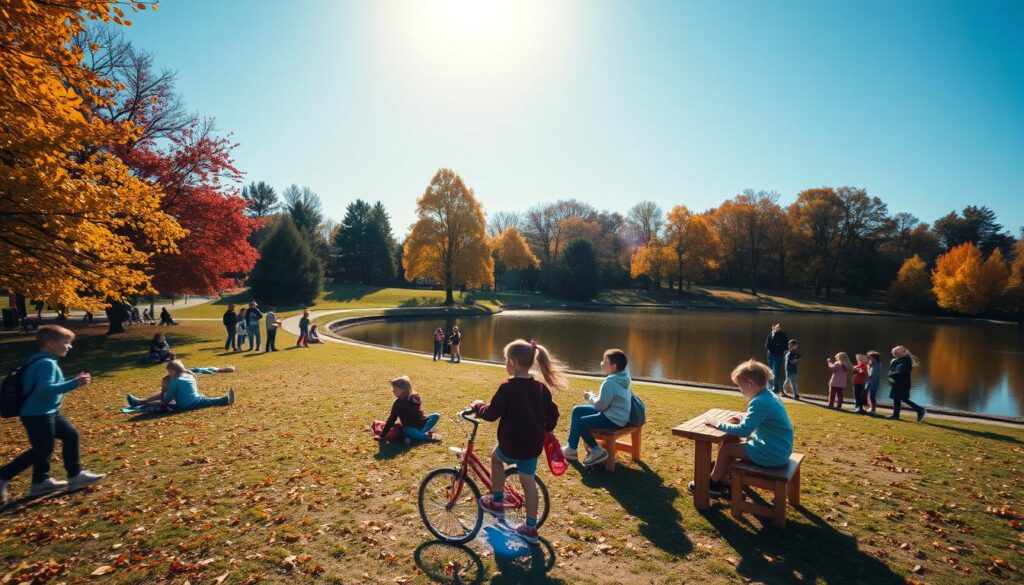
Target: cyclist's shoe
<point>528,534</point>
<point>496,509</point>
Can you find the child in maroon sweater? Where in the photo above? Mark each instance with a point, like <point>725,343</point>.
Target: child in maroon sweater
<point>407,408</point>
<point>527,413</point>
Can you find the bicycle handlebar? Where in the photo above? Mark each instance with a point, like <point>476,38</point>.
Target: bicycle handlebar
<point>465,415</point>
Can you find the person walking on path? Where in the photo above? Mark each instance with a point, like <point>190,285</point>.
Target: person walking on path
<point>438,343</point>
<point>903,362</point>
<point>45,387</point>
<point>231,324</point>
<point>272,324</point>
<point>303,340</point>
<point>456,339</point>
<point>253,315</point>
<point>776,346</point>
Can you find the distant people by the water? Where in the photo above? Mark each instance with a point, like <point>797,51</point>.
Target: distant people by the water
<point>776,345</point>
<point>903,362</point>
<point>455,340</point>
<point>165,317</point>
<point>840,367</point>
<point>179,390</point>
<point>303,340</point>
<point>314,334</point>
<point>438,343</point>
<point>253,315</point>
<point>408,408</point>
<point>860,383</point>
<point>792,359</point>
<point>608,409</point>
<point>160,350</point>
<point>241,329</point>
<point>874,380</point>
<point>230,320</point>
<point>272,325</point>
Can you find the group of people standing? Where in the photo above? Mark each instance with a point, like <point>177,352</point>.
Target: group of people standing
<point>865,376</point>
<point>451,343</point>
<point>244,324</point>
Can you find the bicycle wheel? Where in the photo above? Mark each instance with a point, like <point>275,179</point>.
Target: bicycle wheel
<point>455,522</point>
<point>516,515</point>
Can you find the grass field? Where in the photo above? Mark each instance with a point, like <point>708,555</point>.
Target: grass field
<point>286,485</point>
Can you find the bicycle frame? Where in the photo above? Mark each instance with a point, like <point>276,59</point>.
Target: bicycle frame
<point>470,462</point>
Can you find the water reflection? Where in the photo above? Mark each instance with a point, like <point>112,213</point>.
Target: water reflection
<point>974,366</point>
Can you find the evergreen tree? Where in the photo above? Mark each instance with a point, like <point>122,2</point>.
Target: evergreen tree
<point>260,199</point>
<point>576,277</point>
<point>380,245</point>
<point>364,245</point>
<point>287,272</point>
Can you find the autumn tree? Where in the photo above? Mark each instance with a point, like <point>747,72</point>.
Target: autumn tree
<point>651,262</point>
<point>287,272</point>
<point>912,288</point>
<point>503,220</point>
<point>511,253</point>
<point>543,228</point>
<point>1015,283</point>
<point>448,242</point>
<point>743,224</point>
<point>692,243</point>
<point>965,282</point>
<point>77,227</point>
<point>260,199</point>
<point>645,218</point>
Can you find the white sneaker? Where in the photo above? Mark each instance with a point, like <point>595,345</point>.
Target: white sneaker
<point>84,478</point>
<point>3,491</point>
<point>596,455</point>
<point>570,453</point>
<point>48,485</point>
<point>231,396</point>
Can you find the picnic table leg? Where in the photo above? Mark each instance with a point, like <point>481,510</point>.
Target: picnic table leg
<point>701,472</point>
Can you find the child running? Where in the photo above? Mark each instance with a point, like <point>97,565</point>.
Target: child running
<point>527,414</point>
<point>408,409</point>
<point>874,379</point>
<point>840,367</point>
<point>792,366</point>
<point>766,426</point>
<point>860,381</point>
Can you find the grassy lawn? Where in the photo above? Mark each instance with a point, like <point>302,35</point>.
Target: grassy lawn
<point>287,484</point>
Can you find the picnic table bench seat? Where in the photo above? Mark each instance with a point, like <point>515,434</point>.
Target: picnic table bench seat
<point>784,482</point>
<point>612,440</point>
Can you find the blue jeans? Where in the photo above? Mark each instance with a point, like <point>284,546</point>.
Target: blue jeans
<point>254,333</point>
<point>438,346</point>
<point>43,430</point>
<point>204,401</point>
<point>584,418</point>
<point>778,365</point>
<point>421,434</point>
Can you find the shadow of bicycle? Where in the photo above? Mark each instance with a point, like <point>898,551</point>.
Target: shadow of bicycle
<point>460,565</point>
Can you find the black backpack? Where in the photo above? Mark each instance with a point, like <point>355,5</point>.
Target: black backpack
<point>11,396</point>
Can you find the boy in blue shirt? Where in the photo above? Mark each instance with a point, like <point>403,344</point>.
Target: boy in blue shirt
<point>44,386</point>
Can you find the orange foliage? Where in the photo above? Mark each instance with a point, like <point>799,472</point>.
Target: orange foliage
<point>963,282</point>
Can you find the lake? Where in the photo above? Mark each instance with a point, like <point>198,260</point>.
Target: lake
<point>966,365</point>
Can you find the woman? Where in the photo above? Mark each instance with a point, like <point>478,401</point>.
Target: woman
<point>903,362</point>
<point>608,409</point>
<point>438,343</point>
<point>230,320</point>
<point>456,339</point>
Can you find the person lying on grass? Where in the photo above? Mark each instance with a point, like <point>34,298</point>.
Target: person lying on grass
<point>766,426</point>
<point>180,391</point>
<point>407,408</point>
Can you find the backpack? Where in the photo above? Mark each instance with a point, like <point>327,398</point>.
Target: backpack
<point>11,396</point>
<point>637,412</point>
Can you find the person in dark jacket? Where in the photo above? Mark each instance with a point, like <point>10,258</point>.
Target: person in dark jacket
<point>408,409</point>
<point>165,317</point>
<point>230,325</point>
<point>253,315</point>
<point>903,362</point>
<point>776,345</point>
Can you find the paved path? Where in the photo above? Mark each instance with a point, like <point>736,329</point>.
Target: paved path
<point>102,317</point>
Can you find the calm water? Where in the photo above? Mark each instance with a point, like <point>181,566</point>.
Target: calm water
<point>968,366</point>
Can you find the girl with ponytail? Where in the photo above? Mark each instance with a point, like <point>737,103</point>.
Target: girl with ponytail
<point>903,362</point>
<point>527,413</point>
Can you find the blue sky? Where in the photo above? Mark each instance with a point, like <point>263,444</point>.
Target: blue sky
<point>921,103</point>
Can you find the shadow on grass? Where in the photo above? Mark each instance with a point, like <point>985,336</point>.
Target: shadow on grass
<point>449,563</point>
<point>803,553</point>
<point>977,434</point>
<point>531,568</point>
<point>644,495</point>
<point>343,293</point>
<point>25,502</point>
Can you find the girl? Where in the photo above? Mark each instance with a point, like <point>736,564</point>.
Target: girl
<point>874,379</point>
<point>180,391</point>
<point>314,334</point>
<point>160,350</point>
<point>303,340</point>
<point>456,340</point>
<point>840,367</point>
<point>240,329</point>
<point>527,414</point>
<point>407,408</point>
<point>860,380</point>
<point>766,426</point>
<point>438,343</point>
<point>899,377</point>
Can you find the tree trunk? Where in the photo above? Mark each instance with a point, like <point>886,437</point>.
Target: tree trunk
<point>117,314</point>
<point>448,298</point>
<point>19,302</point>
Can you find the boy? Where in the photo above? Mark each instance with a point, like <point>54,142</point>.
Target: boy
<point>792,361</point>
<point>272,325</point>
<point>44,386</point>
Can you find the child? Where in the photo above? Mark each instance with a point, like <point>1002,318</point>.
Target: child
<point>840,367</point>
<point>860,380</point>
<point>160,350</point>
<point>527,414</point>
<point>766,426</point>
<point>438,343</point>
<point>45,387</point>
<point>792,363</point>
<point>180,391</point>
<point>903,362</point>
<point>608,409</point>
<point>456,340</point>
<point>874,379</point>
<point>303,340</point>
<point>240,328</point>
<point>408,409</point>
<point>314,334</point>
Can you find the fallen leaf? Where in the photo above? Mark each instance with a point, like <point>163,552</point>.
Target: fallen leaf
<point>104,570</point>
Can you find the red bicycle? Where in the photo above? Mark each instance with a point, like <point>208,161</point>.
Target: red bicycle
<point>448,496</point>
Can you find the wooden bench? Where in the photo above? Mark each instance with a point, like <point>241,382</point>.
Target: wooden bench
<point>782,481</point>
<point>610,441</point>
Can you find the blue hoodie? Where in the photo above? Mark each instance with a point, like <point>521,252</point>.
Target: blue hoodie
<point>44,385</point>
<point>615,398</point>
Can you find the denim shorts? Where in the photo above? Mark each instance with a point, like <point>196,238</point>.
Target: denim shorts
<point>524,466</point>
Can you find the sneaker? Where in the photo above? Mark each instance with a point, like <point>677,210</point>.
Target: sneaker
<point>133,401</point>
<point>231,396</point>
<point>596,455</point>
<point>47,486</point>
<point>921,414</point>
<point>3,491</point>
<point>570,453</point>
<point>487,504</point>
<point>716,489</point>
<point>529,534</point>
<point>859,411</point>
<point>84,478</point>
<point>796,396</point>
<point>892,417</point>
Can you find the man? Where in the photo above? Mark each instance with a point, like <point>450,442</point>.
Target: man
<point>272,325</point>
<point>230,323</point>
<point>776,345</point>
<point>253,315</point>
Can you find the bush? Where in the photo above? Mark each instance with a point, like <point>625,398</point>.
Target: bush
<point>576,276</point>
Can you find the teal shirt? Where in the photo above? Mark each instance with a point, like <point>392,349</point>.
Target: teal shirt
<point>183,390</point>
<point>767,429</point>
<point>44,385</point>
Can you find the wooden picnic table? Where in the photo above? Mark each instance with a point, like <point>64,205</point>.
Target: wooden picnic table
<point>703,437</point>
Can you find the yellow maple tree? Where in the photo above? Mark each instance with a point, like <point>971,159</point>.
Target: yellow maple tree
<point>692,243</point>
<point>448,243</point>
<point>965,282</point>
<point>67,204</point>
<point>652,261</point>
<point>912,287</point>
